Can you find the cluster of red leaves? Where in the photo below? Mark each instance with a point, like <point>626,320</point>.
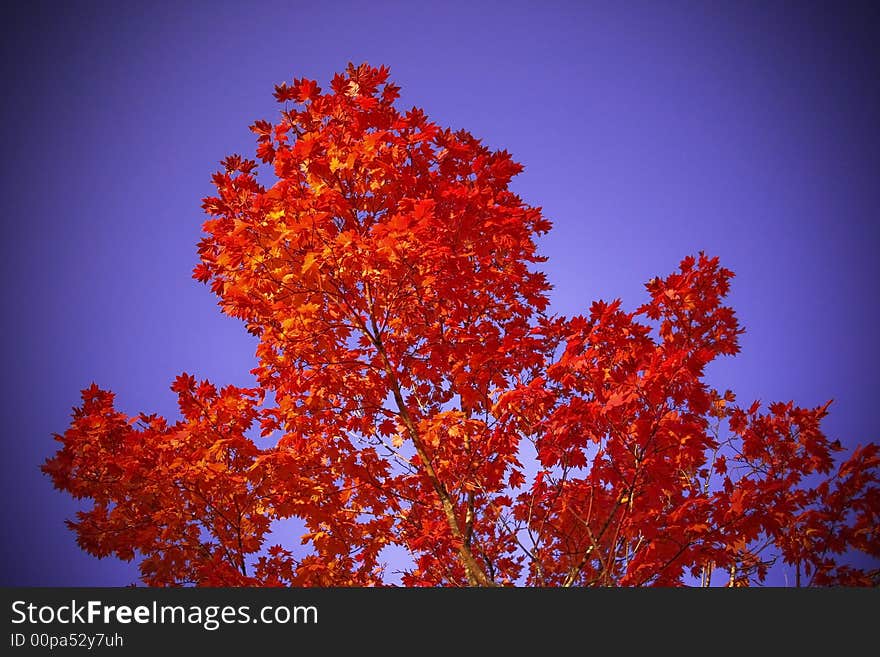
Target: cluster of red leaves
<point>404,341</point>
<point>648,476</point>
<point>185,496</point>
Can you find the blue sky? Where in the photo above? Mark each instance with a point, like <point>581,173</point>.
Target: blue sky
<point>648,131</point>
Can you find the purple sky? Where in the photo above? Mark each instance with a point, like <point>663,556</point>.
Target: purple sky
<point>647,133</point>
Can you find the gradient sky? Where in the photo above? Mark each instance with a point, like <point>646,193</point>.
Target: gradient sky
<point>648,131</point>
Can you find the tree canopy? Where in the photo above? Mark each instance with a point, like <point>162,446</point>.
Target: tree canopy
<point>414,390</point>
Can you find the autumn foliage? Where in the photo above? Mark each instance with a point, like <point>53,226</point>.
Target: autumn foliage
<point>413,392</point>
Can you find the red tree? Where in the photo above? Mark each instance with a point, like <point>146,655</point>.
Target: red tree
<point>421,397</point>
